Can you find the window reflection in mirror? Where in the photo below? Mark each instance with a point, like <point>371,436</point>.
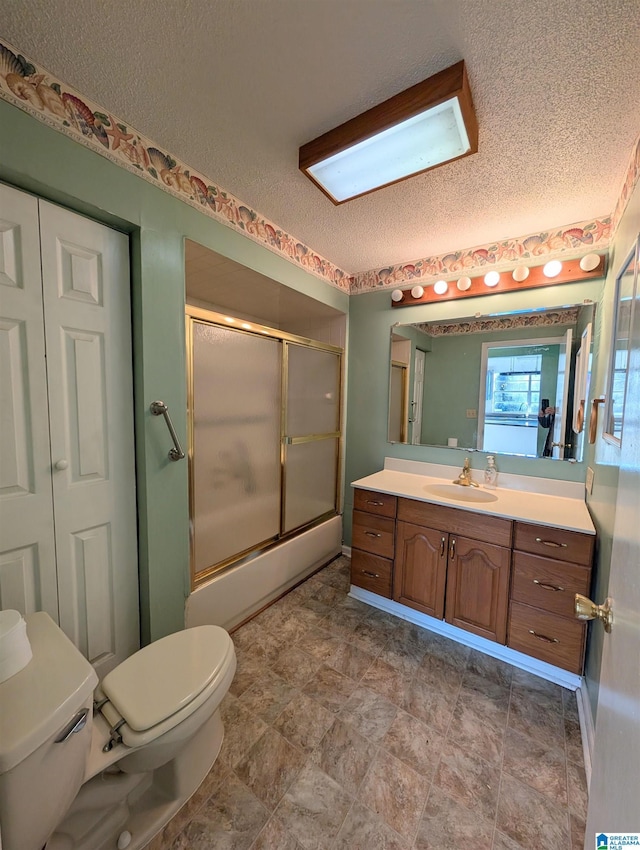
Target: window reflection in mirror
<point>453,401</point>
<point>523,396</point>
<point>624,298</point>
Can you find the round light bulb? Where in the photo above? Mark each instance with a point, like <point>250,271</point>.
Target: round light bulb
<point>492,278</point>
<point>590,262</point>
<point>552,268</point>
<point>520,273</point>
<point>417,292</point>
<point>440,287</point>
<point>464,283</point>
<point>396,295</point>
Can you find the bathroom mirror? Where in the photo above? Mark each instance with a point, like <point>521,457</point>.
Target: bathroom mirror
<point>505,383</point>
<point>624,299</point>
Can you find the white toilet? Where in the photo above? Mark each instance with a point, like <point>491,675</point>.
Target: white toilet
<point>89,768</point>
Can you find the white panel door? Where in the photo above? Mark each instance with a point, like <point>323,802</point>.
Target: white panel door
<point>27,551</point>
<point>614,795</point>
<point>85,270</point>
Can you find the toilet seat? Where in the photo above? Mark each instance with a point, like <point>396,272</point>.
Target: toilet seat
<point>162,684</point>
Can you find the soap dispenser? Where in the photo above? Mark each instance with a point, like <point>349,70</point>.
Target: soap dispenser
<point>491,473</point>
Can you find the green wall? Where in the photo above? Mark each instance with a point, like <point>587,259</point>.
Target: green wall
<point>41,160</point>
<point>370,319</point>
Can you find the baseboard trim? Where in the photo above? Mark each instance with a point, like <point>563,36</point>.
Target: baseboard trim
<point>346,550</point>
<point>496,650</point>
<point>587,728</point>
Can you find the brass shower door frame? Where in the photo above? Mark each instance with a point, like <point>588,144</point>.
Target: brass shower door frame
<point>195,315</point>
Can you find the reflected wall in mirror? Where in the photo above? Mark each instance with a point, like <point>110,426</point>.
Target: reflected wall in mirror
<point>506,384</point>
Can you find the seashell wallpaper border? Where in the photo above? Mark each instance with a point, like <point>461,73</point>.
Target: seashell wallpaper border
<point>32,89</point>
<point>533,249</point>
<point>500,323</point>
<point>35,91</point>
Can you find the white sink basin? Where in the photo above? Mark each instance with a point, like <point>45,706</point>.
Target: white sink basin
<point>459,493</point>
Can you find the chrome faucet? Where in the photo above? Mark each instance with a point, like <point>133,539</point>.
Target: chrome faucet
<point>464,479</point>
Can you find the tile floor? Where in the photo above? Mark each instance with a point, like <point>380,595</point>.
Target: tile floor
<point>348,729</point>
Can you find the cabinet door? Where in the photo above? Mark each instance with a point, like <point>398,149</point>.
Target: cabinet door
<point>420,568</point>
<point>478,587</point>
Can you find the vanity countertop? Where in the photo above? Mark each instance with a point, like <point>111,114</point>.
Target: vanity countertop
<point>539,508</point>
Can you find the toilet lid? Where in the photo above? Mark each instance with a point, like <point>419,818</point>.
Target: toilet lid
<point>167,675</point>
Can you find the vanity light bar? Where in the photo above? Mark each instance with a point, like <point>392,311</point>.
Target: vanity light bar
<point>572,271</point>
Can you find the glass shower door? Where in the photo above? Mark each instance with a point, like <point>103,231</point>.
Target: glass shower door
<point>235,458</point>
<point>311,434</point>
<point>264,437</point>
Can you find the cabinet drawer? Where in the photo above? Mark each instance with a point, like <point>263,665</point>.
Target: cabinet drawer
<point>375,503</point>
<point>371,572</point>
<point>549,637</point>
<point>489,529</point>
<point>554,542</point>
<point>550,585</point>
<point>374,534</point>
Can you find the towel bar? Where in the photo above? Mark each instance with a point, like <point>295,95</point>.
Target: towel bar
<point>159,408</point>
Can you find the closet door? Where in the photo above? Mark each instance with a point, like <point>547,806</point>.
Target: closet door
<point>85,269</point>
<point>27,554</point>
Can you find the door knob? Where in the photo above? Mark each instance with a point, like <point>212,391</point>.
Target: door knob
<point>62,464</point>
<point>585,609</point>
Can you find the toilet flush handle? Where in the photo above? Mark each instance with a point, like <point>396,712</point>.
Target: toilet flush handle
<point>76,724</point>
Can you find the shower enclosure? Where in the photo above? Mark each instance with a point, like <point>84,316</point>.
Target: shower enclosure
<point>264,437</point>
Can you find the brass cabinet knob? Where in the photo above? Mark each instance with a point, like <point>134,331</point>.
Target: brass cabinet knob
<point>585,609</point>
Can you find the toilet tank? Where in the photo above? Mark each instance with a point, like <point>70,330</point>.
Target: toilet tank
<point>44,743</point>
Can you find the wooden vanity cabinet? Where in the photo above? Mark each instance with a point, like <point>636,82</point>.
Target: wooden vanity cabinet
<point>373,541</point>
<point>445,565</point>
<point>550,565</point>
<point>508,581</point>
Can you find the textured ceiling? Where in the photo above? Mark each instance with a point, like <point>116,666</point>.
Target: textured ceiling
<point>234,87</point>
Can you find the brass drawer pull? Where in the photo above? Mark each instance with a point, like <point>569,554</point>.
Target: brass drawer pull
<point>543,637</point>
<point>551,543</point>
<point>377,504</point>
<point>442,544</point>
<point>452,549</point>
<point>545,586</point>
<point>373,534</point>
<point>370,574</point>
